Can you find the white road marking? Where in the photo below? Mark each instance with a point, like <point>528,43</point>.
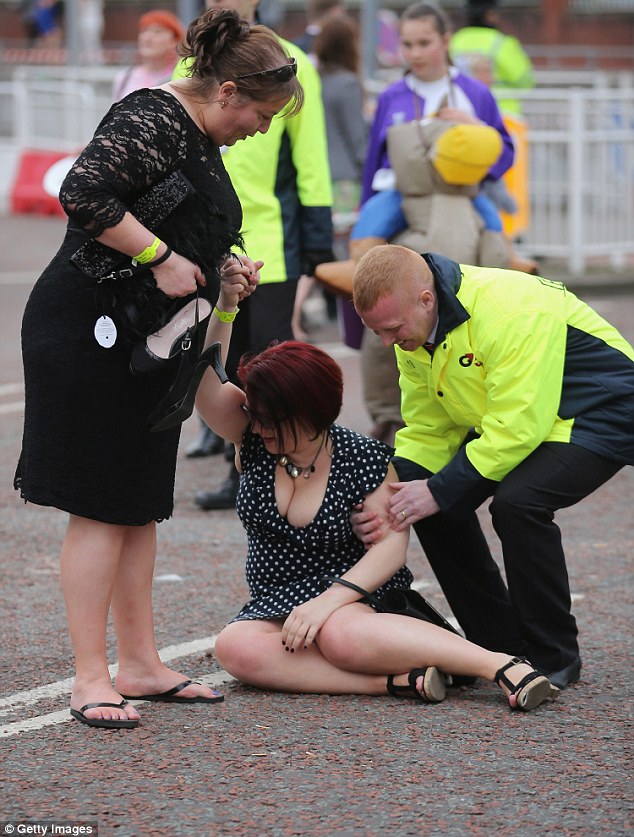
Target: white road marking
<point>19,277</point>
<point>20,700</point>
<point>14,407</point>
<point>11,389</point>
<point>7,390</point>
<point>54,690</point>
<point>62,717</point>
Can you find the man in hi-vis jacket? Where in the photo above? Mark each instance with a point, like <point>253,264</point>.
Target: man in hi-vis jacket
<point>512,388</point>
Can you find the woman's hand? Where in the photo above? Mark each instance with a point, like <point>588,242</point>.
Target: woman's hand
<point>303,623</point>
<point>253,275</point>
<point>239,277</point>
<point>177,276</point>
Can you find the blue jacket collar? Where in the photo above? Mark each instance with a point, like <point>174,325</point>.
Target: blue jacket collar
<point>447,280</point>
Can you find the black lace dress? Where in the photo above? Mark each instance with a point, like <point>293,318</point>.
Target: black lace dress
<point>285,563</point>
<point>86,447</point>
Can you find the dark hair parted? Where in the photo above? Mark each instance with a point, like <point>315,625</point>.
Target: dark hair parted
<point>295,384</point>
<point>419,10</point>
<point>223,46</point>
<point>337,45</point>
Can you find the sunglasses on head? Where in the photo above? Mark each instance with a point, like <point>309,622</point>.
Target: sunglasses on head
<point>284,73</point>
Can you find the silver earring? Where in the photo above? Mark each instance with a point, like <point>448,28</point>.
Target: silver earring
<point>223,104</point>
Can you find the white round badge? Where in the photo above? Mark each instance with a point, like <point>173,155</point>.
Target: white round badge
<point>105,332</point>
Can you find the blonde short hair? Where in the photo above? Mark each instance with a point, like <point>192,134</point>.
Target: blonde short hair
<point>386,269</point>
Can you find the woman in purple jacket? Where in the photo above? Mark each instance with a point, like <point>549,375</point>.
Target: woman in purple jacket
<point>430,87</point>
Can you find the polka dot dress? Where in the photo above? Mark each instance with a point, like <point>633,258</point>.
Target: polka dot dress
<point>285,564</point>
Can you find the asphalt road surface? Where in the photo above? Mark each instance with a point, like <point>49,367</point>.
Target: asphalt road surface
<point>277,764</point>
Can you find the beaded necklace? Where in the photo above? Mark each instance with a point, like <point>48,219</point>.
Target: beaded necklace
<point>294,470</point>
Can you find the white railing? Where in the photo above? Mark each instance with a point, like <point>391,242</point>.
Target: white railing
<point>59,107</point>
<point>580,154</point>
<point>581,174</point>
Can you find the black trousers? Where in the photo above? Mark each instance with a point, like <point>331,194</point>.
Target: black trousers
<point>530,614</point>
<point>263,317</point>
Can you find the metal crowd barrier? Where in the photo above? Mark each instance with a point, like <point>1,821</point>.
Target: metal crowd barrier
<point>581,174</point>
<point>580,154</point>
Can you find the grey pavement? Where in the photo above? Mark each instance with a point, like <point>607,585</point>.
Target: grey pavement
<point>276,764</point>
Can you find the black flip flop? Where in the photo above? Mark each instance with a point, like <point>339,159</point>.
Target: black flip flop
<point>78,715</point>
<point>171,696</point>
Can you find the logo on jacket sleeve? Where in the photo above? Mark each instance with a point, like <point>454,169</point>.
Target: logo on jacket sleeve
<point>468,359</point>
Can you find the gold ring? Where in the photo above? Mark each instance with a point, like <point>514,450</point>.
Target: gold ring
<point>404,513</point>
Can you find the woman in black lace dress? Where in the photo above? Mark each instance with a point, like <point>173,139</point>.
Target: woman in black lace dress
<point>302,476</point>
<point>87,449</point>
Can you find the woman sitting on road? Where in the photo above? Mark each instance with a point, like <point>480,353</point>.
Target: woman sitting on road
<point>301,476</point>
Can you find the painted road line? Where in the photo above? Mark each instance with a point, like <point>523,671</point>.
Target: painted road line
<point>7,390</point>
<point>11,389</point>
<point>50,691</point>
<point>60,687</point>
<point>63,716</point>
<point>14,407</point>
<point>19,277</point>
<point>19,700</point>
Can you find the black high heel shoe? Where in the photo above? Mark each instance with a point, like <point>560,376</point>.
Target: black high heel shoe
<point>532,690</point>
<point>434,685</point>
<point>178,404</point>
<point>149,356</point>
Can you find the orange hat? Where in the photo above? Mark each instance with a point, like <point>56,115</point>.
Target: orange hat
<point>160,17</point>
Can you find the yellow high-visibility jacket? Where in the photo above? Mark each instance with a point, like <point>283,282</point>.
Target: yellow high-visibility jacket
<point>523,361</point>
<point>511,68</point>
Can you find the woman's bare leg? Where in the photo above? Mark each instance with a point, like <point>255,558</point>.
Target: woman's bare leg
<point>385,643</point>
<point>141,671</point>
<point>90,560</point>
<point>355,651</point>
<point>252,651</point>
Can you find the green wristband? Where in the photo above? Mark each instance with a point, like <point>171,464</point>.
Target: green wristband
<point>226,316</point>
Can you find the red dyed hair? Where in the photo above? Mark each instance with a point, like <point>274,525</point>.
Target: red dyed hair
<point>295,384</point>
<point>161,17</point>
